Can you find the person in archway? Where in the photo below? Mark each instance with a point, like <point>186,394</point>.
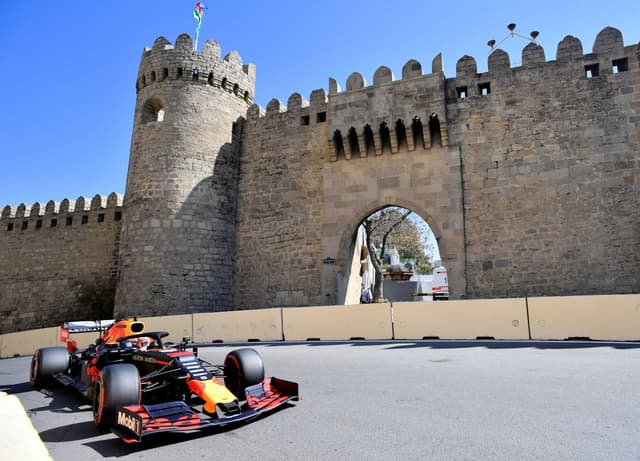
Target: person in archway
<point>365,294</point>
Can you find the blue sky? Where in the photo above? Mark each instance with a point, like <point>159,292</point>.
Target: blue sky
<point>68,68</point>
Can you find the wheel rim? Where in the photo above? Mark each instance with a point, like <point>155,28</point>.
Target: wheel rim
<point>98,403</point>
<point>35,364</point>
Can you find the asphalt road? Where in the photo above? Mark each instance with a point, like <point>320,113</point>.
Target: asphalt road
<point>394,400</point>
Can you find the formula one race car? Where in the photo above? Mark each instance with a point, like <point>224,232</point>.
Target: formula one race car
<point>140,386</point>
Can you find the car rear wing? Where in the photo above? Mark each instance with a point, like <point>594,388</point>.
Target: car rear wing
<point>87,326</point>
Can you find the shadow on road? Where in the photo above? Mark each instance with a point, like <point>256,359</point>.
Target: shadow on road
<point>18,388</point>
<point>70,432</point>
<point>63,400</point>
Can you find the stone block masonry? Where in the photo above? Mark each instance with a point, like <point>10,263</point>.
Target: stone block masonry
<point>58,262</point>
<point>528,176</point>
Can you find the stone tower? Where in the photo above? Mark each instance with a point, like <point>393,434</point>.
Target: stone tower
<point>178,232</point>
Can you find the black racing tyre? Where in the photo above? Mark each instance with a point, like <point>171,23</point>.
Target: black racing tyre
<point>118,385</point>
<point>242,368</point>
<point>45,363</point>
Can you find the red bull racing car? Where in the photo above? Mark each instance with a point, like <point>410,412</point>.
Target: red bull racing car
<point>139,385</point>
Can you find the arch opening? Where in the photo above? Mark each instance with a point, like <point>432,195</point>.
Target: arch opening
<point>338,144</point>
<point>417,131</point>
<point>152,111</point>
<point>393,256</point>
<point>352,136</point>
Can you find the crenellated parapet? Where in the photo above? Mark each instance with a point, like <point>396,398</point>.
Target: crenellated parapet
<point>389,116</point>
<point>67,212</point>
<point>182,63</point>
<point>609,56</point>
<point>297,112</point>
<point>381,117</point>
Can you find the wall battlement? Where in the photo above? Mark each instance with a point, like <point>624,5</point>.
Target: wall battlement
<point>164,61</point>
<point>82,204</point>
<point>296,104</point>
<point>607,48</point>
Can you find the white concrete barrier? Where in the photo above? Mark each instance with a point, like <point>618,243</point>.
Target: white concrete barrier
<point>368,321</point>
<point>470,319</point>
<point>19,440</point>
<point>178,326</point>
<point>603,317</point>
<point>258,324</point>
<point>26,342</point>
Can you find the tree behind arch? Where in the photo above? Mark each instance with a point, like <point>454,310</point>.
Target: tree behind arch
<point>388,228</point>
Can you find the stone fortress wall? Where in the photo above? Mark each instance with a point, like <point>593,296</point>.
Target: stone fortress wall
<point>528,176</point>
<point>551,169</point>
<point>58,261</point>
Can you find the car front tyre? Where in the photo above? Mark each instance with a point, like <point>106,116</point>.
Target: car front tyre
<point>117,386</point>
<point>242,368</point>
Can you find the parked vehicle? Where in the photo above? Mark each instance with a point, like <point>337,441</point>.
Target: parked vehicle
<point>440,284</point>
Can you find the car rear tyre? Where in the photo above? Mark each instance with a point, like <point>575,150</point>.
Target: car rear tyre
<point>117,386</point>
<point>242,368</point>
<point>45,363</point>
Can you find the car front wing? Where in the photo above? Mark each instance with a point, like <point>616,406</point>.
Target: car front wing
<point>133,422</point>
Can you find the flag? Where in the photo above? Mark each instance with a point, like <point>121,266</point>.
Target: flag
<point>198,13</point>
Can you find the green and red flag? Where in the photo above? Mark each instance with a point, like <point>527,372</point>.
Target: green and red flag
<point>198,13</point>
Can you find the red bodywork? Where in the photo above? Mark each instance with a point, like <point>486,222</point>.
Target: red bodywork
<point>135,421</point>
